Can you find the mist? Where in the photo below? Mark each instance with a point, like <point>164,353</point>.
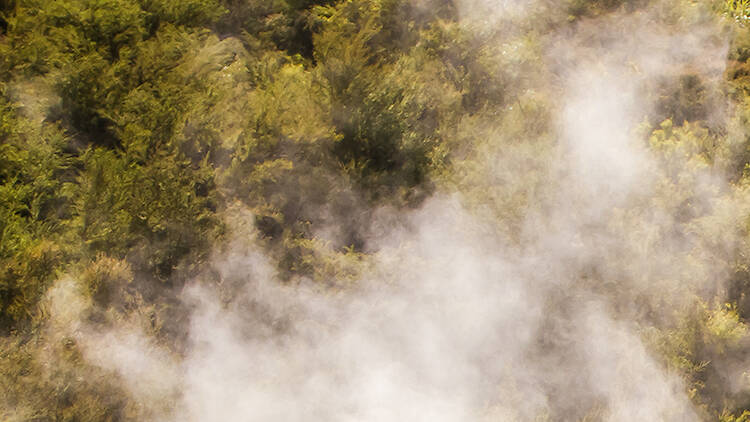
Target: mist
<point>449,318</point>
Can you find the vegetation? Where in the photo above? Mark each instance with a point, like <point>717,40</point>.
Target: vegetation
<point>131,130</point>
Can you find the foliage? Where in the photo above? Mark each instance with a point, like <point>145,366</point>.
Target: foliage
<point>130,132</point>
<point>32,171</point>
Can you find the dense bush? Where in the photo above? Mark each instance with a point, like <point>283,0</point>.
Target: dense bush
<point>129,131</point>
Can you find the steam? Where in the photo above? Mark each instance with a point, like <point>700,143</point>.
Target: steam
<point>450,321</point>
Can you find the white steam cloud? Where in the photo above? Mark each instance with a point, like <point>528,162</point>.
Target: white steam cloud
<point>451,322</point>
